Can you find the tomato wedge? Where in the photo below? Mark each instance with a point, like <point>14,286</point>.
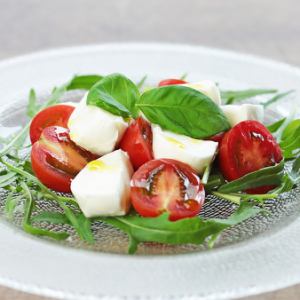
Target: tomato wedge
<point>137,142</point>
<point>171,81</point>
<point>57,115</point>
<point>56,159</point>
<point>167,185</point>
<point>246,148</point>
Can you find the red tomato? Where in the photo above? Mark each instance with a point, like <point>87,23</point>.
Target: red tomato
<point>137,142</point>
<point>217,138</point>
<point>167,185</point>
<point>56,159</point>
<point>57,115</point>
<point>246,148</point>
<point>171,81</point>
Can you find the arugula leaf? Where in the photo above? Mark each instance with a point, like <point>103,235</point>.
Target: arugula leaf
<point>27,222</point>
<point>192,230</point>
<point>267,176</point>
<point>276,98</point>
<point>10,204</point>
<point>32,107</point>
<point>7,179</point>
<point>116,94</point>
<point>141,83</point>
<point>183,110</point>
<point>290,140</point>
<point>276,125</point>
<point>83,82</point>
<point>51,217</point>
<point>230,97</point>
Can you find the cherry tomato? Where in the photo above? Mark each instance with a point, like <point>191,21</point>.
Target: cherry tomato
<point>246,148</point>
<point>171,81</point>
<point>137,142</point>
<point>56,159</point>
<point>57,115</point>
<point>167,185</point>
<point>217,138</point>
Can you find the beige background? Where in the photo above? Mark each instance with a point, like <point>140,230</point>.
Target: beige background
<point>269,28</point>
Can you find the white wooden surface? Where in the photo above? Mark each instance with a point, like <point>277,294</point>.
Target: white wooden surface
<point>269,28</point>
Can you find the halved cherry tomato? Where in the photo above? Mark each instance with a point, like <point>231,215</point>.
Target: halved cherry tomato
<point>57,115</point>
<point>167,185</point>
<point>171,81</point>
<point>217,138</point>
<point>56,159</point>
<point>246,148</point>
<point>137,142</point>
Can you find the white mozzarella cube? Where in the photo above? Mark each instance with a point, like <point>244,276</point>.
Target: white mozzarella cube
<point>208,88</point>
<point>196,153</point>
<point>102,188</point>
<point>95,129</point>
<point>238,113</point>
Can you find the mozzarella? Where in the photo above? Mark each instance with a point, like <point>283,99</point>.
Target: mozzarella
<point>102,188</point>
<point>95,129</point>
<point>238,113</point>
<point>208,88</point>
<point>196,153</point>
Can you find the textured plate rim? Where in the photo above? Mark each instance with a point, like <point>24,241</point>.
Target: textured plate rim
<point>280,282</point>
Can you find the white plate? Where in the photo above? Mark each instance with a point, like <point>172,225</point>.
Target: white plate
<point>267,262</point>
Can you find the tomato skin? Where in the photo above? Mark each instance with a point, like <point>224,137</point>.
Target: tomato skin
<point>56,159</point>
<point>137,142</point>
<point>167,185</point>
<point>171,81</point>
<point>217,137</point>
<point>246,148</point>
<point>56,115</point>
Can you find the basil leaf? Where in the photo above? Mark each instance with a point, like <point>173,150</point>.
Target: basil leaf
<point>192,230</point>
<point>83,82</point>
<point>183,110</point>
<point>230,97</point>
<point>116,94</point>
<point>267,176</point>
<point>290,140</point>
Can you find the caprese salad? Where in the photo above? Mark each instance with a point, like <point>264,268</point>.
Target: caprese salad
<point>143,160</point>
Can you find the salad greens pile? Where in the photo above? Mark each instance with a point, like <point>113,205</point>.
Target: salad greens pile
<point>120,96</point>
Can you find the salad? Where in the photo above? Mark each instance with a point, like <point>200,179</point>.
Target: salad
<point>144,159</point>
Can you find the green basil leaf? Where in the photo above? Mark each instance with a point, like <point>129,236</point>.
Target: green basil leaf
<point>230,97</point>
<point>83,82</point>
<point>267,176</point>
<point>116,94</point>
<point>183,110</point>
<point>192,230</point>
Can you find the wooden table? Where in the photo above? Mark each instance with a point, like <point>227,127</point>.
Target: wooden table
<point>270,28</point>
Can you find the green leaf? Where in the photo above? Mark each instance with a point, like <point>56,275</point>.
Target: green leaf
<point>141,83</point>
<point>32,107</point>
<point>183,110</point>
<point>290,139</point>
<point>267,176</point>
<point>191,230</point>
<point>51,217</point>
<point>276,125</point>
<point>116,94</point>
<point>27,219</point>
<point>10,204</point>
<point>276,98</point>
<point>230,97</point>
<point>214,182</point>
<point>83,82</point>
<point>7,179</point>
